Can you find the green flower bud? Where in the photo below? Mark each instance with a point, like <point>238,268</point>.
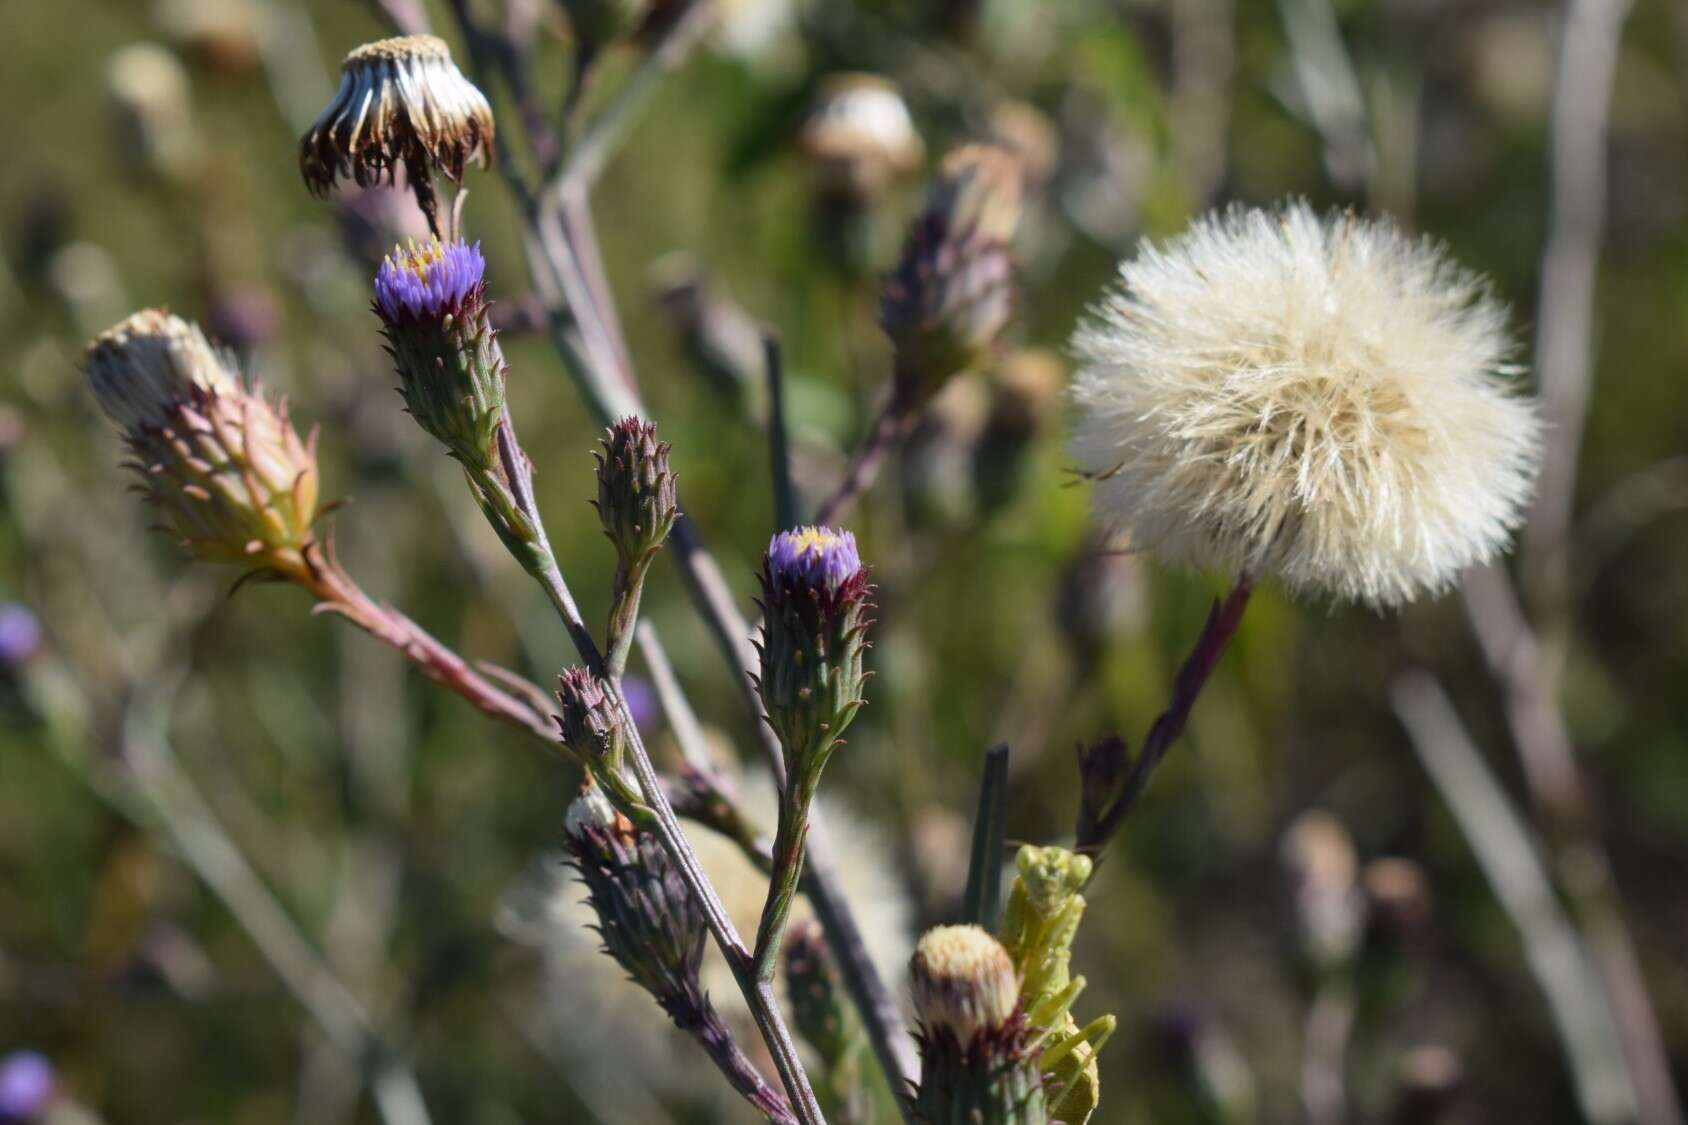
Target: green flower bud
<point>648,920</point>
<point>635,490</point>
<point>815,598</point>
<point>591,721</point>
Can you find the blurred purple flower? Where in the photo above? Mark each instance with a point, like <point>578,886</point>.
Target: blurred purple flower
<point>642,702</point>
<point>26,1085</point>
<point>428,281</point>
<point>20,634</point>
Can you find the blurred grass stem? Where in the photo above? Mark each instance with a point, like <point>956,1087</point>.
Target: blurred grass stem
<point>1509,859</point>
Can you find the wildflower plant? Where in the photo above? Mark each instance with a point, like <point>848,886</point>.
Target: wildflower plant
<point>1278,396</point>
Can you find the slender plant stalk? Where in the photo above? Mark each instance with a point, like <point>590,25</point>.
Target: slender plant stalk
<point>790,836</point>
<point>338,593</point>
<point>536,556</point>
<point>572,321</point>
<point>1216,634</point>
<point>890,426</point>
<point>982,901</point>
<point>1508,855</point>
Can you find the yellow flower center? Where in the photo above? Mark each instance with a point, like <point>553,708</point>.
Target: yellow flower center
<point>419,259</point>
<point>812,541</point>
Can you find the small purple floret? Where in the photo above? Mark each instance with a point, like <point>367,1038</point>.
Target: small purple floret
<point>26,1085</point>
<point>814,557</point>
<point>428,281</point>
<point>642,703</point>
<point>20,634</point>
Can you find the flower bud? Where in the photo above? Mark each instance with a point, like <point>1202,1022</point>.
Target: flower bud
<point>1323,872</point>
<point>951,295</point>
<point>635,490</point>
<point>818,1007</point>
<point>152,108</point>
<point>431,299</point>
<point>815,599</point>
<point>648,920</point>
<point>221,462</point>
<point>860,138</point>
<point>590,719</point>
<point>401,102</point>
<point>977,1058</point>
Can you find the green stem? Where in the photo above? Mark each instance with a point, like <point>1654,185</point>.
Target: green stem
<point>624,615</point>
<point>790,837</point>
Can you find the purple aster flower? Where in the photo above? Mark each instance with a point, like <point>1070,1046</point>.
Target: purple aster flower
<point>26,1085</point>
<point>814,636</point>
<point>817,558</point>
<point>20,634</point>
<point>642,702</point>
<point>431,298</point>
<point>429,281</point>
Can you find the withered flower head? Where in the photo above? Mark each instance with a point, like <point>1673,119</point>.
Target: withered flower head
<point>401,102</point>
<point>952,292</point>
<point>860,137</point>
<point>222,463</point>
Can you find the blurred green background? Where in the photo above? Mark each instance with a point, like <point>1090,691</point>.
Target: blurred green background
<point>412,845</point>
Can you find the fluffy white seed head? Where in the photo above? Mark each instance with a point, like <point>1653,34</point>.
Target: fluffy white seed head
<point>1325,401</point>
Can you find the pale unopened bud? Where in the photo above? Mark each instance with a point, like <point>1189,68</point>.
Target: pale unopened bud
<point>952,293</point>
<point>1319,860</point>
<point>222,463</point>
<point>964,983</point>
<point>152,104</point>
<point>978,1062</point>
<point>401,102</point>
<point>860,138</point>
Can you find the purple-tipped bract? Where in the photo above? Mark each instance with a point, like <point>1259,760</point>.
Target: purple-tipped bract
<point>429,281</point>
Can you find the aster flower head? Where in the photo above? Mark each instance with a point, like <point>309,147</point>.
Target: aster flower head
<point>221,462</point>
<point>431,298</point>
<point>976,1052</point>
<point>401,102</point>
<point>952,292</point>
<point>860,137</point>
<point>1321,400</point>
<point>815,594</point>
<point>430,282</point>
